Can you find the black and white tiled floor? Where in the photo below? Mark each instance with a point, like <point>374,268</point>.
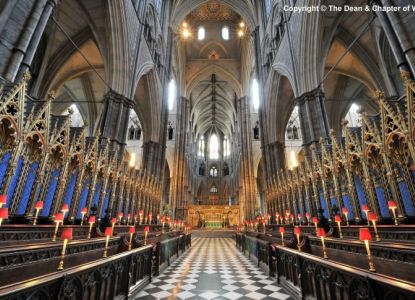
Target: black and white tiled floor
<point>213,268</point>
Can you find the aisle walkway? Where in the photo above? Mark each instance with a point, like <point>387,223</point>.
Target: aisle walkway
<point>212,269</point>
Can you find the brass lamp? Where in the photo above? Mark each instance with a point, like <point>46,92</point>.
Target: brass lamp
<point>366,210</point>
<point>315,221</point>
<point>345,212</point>
<point>392,206</point>
<point>338,220</point>
<point>373,218</point>
<point>84,211</point>
<point>91,222</point>
<point>64,209</point>
<point>108,234</point>
<point>38,208</point>
<point>365,236</point>
<point>322,234</point>
<point>307,215</point>
<point>140,213</point>
<point>65,236</point>
<point>131,231</point>
<point>120,215</point>
<point>146,231</point>
<point>297,232</point>
<point>3,200</point>
<point>58,220</point>
<point>277,217</point>
<point>4,214</point>
<point>113,221</point>
<point>282,231</point>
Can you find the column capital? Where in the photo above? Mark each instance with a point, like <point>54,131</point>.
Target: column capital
<point>116,97</point>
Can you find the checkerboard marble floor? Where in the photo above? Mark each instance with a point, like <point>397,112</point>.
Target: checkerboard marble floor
<point>212,268</point>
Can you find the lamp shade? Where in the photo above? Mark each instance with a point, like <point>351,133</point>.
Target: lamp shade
<point>364,234</point>
<point>146,229</point>
<point>141,212</point>
<point>108,231</point>
<point>39,205</point>
<point>321,232</point>
<point>282,229</point>
<point>65,207</point>
<point>66,234</point>
<point>135,216</point>
<point>277,214</point>
<point>365,207</point>
<point>287,212</point>
<point>113,220</point>
<point>129,216</point>
<point>158,216</point>
<point>3,199</point>
<point>91,219</point>
<point>337,219</point>
<point>58,217</point>
<point>132,229</point>
<point>120,215</point>
<point>392,204</point>
<point>292,216</point>
<point>84,210</point>
<point>345,210</point>
<point>372,216</point>
<point>4,213</point>
<point>307,214</point>
<point>299,216</point>
<point>297,230</point>
<point>315,220</point>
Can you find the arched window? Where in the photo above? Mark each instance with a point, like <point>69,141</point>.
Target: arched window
<point>226,147</point>
<point>225,170</point>
<point>225,33</point>
<point>295,133</point>
<point>213,172</point>
<point>158,6</point>
<point>255,93</point>
<point>172,94</point>
<point>131,132</point>
<point>256,131</point>
<point>201,150</point>
<point>201,33</point>
<point>170,131</point>
<point>353,116</point>
<point>214,147</point>
<point>138,133</point>
<point>76,118</point>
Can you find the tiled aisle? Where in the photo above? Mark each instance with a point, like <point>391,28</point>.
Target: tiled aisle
<point>212,269</point>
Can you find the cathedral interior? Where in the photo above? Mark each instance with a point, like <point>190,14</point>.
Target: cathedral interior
<point>207,149</point>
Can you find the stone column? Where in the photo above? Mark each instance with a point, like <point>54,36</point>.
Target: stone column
<point>19,41</point>
<point>259,69</point>
<point>247,169</point>
<point>177,188</point>
<point>313,117</point>
<point>276,160</point>
<point>398,30</point>
<point>114,119</point>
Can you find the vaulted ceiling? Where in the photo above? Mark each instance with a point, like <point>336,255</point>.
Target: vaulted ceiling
<point>213,67</point>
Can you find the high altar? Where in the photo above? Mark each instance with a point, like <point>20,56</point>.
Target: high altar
<point>213,216</point>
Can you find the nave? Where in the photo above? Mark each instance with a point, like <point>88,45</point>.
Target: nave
<point>213,268</point>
